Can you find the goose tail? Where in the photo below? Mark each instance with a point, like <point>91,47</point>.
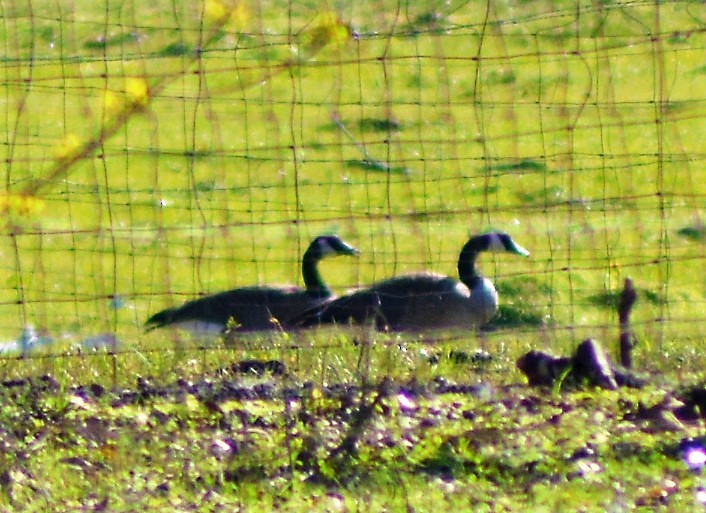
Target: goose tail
<point>160,319</point>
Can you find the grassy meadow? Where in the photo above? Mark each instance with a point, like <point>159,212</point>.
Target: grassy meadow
<point>156,152</point>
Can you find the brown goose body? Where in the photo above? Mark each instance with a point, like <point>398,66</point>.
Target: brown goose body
<point>257,308</point>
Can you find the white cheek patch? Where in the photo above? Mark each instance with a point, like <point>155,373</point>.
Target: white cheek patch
<point>461,290</point>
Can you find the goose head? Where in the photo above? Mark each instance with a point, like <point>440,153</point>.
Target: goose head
<point>329,245</point>
<point>496,242</point>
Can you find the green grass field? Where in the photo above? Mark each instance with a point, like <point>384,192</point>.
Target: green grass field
<point>155,152</point>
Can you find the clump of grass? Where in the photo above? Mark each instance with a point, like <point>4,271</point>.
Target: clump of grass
<point>379,125</point>
<point>522,302</point>
<point>697,232</point>
<point>546,196</point>
<point>515,316</point>
<point>609,299</point>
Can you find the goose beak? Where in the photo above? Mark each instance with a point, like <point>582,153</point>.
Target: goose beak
<point>347,249</point>
<point>333,245</point>
<point>518,250</point>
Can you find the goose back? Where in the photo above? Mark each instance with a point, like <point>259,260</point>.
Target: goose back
<point>244,309</point>
<point>257,308</point>
<point>413,302</point>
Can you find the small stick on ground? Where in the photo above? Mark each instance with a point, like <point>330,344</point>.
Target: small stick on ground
<point>357,424</point>
<point>627,340</point>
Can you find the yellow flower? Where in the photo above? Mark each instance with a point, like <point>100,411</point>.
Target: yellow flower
<point>21,204</point>
<point>215,11</point>
<point>68,147</point>
<point>227,11</point>
<point>240,15</point>
<point>138,91</point>
<point>113,103</point>
<point>328,29</point>
<point>136,95</point>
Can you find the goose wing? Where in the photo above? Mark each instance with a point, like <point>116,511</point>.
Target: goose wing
<point>249,308</point>
<point>422,301</point>
<point>405,303</point>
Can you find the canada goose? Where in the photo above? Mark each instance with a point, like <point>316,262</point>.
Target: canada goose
<point>424,300</point>
<point>257,308</point>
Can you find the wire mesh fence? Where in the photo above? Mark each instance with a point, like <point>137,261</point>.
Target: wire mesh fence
<point>155,152</point>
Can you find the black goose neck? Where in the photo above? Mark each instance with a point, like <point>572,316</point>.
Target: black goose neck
<point>467,264</point>
<point>310,272</point>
